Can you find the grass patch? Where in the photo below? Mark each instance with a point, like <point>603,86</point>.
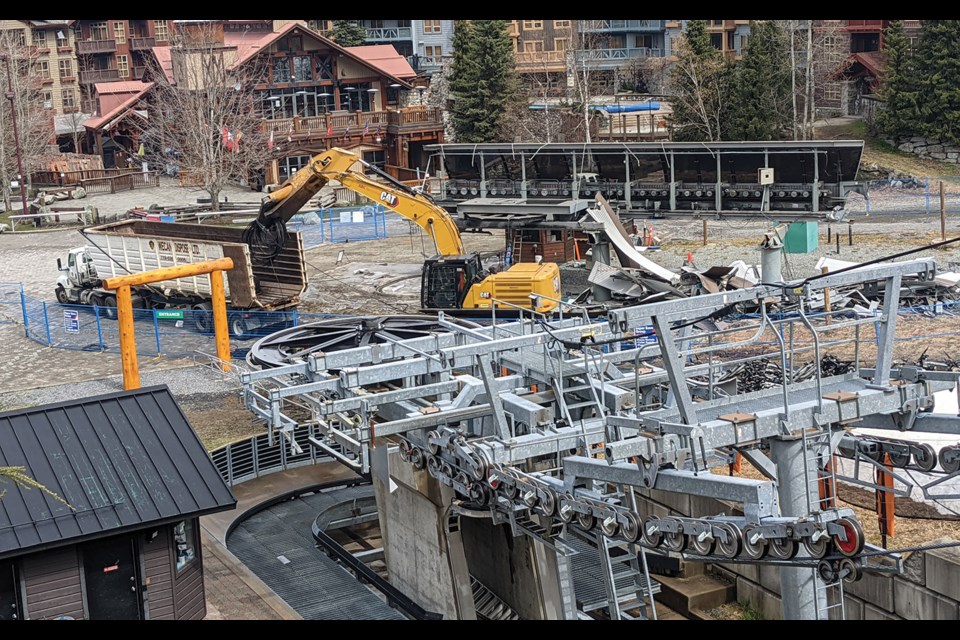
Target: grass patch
<point>749,613</point>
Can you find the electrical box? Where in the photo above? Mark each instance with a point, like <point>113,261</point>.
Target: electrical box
<point>766,176</point>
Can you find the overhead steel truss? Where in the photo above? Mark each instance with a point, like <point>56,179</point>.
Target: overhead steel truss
<point>559,420</point>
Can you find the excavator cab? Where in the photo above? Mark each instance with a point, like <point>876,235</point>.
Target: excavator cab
<point>447,279</point>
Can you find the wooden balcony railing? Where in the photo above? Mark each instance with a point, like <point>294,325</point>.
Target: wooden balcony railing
<point>140,44</point>
<point>539,57</point>
<point>339,122</point>
<point>99,75</point>
<point>85,47</point>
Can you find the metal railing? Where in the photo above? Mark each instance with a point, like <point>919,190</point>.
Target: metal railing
<point>85,47</point>
<point>390,33</point>
<point>99,75</point>
<point>257,456</point>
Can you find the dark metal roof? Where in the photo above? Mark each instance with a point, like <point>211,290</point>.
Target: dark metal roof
<point>123,461</point>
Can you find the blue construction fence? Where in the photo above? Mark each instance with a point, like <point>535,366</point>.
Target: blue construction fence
<point>349,224</point>
<point>10,311</point>
<point>908,196</point>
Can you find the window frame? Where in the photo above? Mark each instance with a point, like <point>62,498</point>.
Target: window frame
<point>191,539</point>
<point>60,66</point>
<point>432,26</point>
<point>533,25</point>
<point>95,31</point>
<point>120,35</point>
<point>123,65</point>
<point>160,31</point>
<point>64,93</point>
<point>39,38</point>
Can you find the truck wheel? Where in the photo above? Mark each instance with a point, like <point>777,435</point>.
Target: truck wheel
<point>62,295</point>
<point>110,307</point>
<point>238,326</point>
<point>203,318</point>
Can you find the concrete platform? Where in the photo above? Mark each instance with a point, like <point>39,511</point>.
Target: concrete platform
<point>686,595</point>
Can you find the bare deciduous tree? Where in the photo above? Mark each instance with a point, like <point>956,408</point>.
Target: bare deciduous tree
<point>699,93</point>
<point>34,122</point>
<point>208,116</point>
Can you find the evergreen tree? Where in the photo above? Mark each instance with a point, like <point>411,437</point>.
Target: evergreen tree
<point>759,105</point>
<point>901,114</point>
<point>349,33</point>
<point>483,80</point>
<point>698,86</point>
<point>938,69</point>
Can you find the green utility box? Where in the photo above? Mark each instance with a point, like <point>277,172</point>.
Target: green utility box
<point>801,237</point>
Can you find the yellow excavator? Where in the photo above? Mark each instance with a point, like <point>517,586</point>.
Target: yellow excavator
<point>452,281</point>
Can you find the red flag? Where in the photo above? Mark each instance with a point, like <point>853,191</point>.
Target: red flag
<point>270,141</point>
<point>229,141</point>
<point>225,135</point>
<point>329,129</point>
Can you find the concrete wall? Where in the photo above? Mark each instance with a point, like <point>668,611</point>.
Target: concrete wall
<point>424,561</point>
<point>928,588</point>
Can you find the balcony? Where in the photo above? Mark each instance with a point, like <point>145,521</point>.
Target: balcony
<point>389,34</point>
<point>533,61</point>
<point>339,123</point>
<point>142,44</point>
<point>608,26</point>
<point>865,25</point>
<point>99,75</point>
<point>87,47</point>
<point>619,54</point>
<point>425,64</point>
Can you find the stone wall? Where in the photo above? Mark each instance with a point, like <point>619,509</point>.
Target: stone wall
<point>930,149</point>
<point>928,588</point>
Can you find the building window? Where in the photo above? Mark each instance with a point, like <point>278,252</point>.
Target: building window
<point>433,52</point>
<point>561,24</point>
<point>716,39</point>
<point>160,30</point>
<point>643,42</point>
<point>185,541</point>
<point>717,23</point>
<point>301,68</point>
<point>123,66</point>
<point>743,43</point>
<point>532,46</point>
<point>832,93</point>
<point>281,70</point>
<point>98,31</point>
<point>533,24</point>
<point>69,98</point>
<point>66,68</point>
<point>40,38</point>
<point>375,158</point>
<point>560,44</point>
<point>17,37</point>
<point>48,99</point>
<point>43,69</point>
<point>290,165</point>
<point>62,39</point>
<point>431,26</point>
<point>120,31</point>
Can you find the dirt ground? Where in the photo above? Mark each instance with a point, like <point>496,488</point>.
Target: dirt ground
<point>220,419</point>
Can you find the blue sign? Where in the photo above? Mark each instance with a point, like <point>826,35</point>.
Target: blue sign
<point>71,321</point>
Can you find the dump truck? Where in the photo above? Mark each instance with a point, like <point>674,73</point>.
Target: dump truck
<point>132,246</point>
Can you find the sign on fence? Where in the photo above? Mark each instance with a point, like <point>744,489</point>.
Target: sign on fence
<point>168,314</point>
<point>71,321</point>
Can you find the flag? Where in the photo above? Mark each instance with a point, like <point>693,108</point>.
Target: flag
<point>229,140</point>
<point>270,141</point>
<point>141,151</point>
<point>378,129</point>
<point>366,127</point>
<point>224,135</point>
<point>329,129</point>
<point>290,133</point>
<point>346,133</point>
<point>236,142</point>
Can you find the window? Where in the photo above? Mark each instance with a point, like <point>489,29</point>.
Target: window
<point>62,39</point>
<point>40,38</point>
<point>281,70</point>
<point>301,68</point>
<point>717,23</point>
<point>433,52</point>
<point>123,66</point>
<point>43,69</point>
<point>185,542</point>
<point>533,24</point>
<point>431,26</point>
<point>743,43</point>
<point>66,68</point>
<point>532,46</point>
<point>560,44</point>
<point>120,31</point>
<point>561,24</point>
<point>375,158</point>
<point>832,93</point>
<point>98,31</point>
<point>643,41</point>
<point>48,99</point>
<point>716,39</point>
<point>68,96</point>
<point>290,165</point>
<point>17,37</point>
<point>160,30</point>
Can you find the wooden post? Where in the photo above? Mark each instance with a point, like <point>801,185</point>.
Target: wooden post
<point>850,233</point>
<point>704,232</point>
<point>943,215</point>
<point>885,500</point>
<point>220,331</point>
<point>128,346</point>
<point>826,295</point>
<point>838,243</point>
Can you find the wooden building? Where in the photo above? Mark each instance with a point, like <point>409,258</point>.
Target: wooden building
<point>125,544</point>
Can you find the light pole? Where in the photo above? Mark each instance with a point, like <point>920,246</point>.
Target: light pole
<point>16,133</point>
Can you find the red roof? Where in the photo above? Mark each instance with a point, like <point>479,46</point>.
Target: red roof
<point>107,119</point>
<point>165,59</point>
<point>385,58</point>
<point>126,86</point>
<point>874,62</point>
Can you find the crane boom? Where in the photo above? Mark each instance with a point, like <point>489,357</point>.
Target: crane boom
<point>338,164</point>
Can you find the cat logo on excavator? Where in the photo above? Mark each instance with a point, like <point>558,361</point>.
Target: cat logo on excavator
<point>389,198</point>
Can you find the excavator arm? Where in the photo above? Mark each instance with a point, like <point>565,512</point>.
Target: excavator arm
<point>338,164</point>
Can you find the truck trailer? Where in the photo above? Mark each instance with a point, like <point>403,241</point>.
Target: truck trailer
<point>134,246</point>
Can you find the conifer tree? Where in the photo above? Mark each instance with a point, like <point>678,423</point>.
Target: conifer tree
<point>759,105</point>
<point>349,33</point>
<point>901,114</point>
<point>938,67</point>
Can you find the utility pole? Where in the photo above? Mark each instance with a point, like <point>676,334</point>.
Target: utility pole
<point>16,134</point>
